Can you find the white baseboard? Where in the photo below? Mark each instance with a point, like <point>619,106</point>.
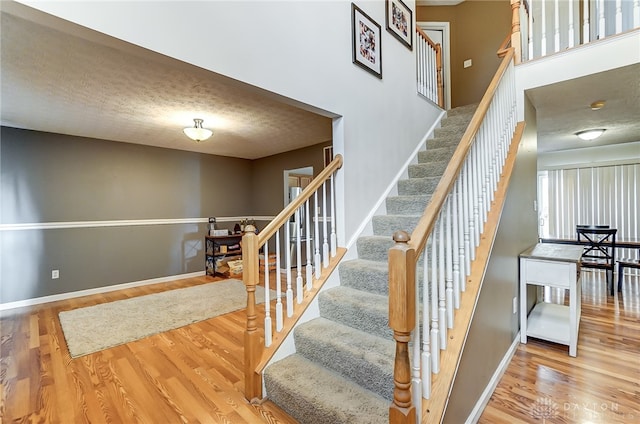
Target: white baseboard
<point>474,416</point>
<point>97,290</point>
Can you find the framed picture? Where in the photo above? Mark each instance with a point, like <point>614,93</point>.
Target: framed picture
<point>367,49</point>
<point>400,22</point>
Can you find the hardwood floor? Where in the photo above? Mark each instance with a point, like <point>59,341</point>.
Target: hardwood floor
<point>194,374</point>
<point>601,385</point>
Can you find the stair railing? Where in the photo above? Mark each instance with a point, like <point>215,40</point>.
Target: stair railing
<point>429,68</point>
<point>552,27</point>
<point>445,241</point>
<point>294,254</point>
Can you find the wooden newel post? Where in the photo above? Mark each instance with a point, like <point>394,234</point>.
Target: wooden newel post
<point>516,41</point>
<point>402,319</point>
<point>252,339</point>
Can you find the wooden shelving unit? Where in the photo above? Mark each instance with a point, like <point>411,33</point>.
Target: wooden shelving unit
<point>219,247</point>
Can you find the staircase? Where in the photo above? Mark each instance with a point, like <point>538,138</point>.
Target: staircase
<point>342,371</point>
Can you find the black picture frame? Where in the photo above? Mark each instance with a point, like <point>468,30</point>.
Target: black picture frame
<point>399,22</point>
<point>367,41</point>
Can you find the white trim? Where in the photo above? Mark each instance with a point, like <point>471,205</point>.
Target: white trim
<point>97,290</point>
<point>477,410</point>
<point>392,186</point>
<point>446,41</point>
<point>122,223</point>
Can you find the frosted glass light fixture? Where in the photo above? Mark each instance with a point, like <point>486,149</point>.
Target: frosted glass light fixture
<point>589,135</point>
<point>197,133</point>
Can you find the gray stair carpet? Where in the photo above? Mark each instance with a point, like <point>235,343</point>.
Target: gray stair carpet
<point>342,371</point>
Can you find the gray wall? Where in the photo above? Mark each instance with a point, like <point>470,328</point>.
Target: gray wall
<point>494,325</point>
<point>268,173</point>
<point>56,178</point>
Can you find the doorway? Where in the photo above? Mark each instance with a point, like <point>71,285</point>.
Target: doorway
<point>439,33</point>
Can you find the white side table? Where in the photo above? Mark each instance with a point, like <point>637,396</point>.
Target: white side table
<point>551,265</point>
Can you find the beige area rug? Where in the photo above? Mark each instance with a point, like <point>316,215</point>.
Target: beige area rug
<point>94,328</point>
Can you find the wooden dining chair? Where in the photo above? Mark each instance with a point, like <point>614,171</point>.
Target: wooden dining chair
<point>600,249</point>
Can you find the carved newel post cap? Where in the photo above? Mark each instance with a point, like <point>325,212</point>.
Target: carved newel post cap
<point>249,228</point>
<point>401,237</point>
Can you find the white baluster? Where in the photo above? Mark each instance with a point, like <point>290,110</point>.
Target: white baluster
<point>556,26</point>
<point>442,302</point>
<point>601,20</point>
<point>468,212</point>
<point>435,326</point>
<point>325,243</point>
<point>543,19</point>
<point>477,192</point>
<point>298,236</point>
<point>572,31</point>
<point>308,268</point>
<point>267,302</point>
<point>448,256</point>
<point>279,317</point>
<point>636,13</point>
<point>455,246</point>
<point>416,381</point>
<point>618,16</point>
<point>531,29</point>
<point>317,258</point>
<point>461,229</point>
<point>426,348</point>
<point>334,240</point>
<point>287,236</point>
<point>586,30</point>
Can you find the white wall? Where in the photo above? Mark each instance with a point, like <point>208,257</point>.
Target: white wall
<point>298,49</point>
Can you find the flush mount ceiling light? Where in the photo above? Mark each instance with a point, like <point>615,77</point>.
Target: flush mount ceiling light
<point>589,135</point>
<point>597,105</point>
<point>197,133</point>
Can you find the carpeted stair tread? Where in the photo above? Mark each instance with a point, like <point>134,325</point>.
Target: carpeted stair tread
<point>419,186</point>
<point>397,205</point>
<point>357,309</point>
<point>436,154</point>
<point>374,248</point>
<point>463,110</point>
<point>387,225</point>
<point>362,357</point>
<point>315,395</point>
<point>367,275</point>
<point>421,170</point>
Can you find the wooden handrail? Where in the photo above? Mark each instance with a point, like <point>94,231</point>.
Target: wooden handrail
<point>504,46</point>
<point>251,244</point>
<point>290,209</point>
<point>426,38</point>
<point>427,221</point>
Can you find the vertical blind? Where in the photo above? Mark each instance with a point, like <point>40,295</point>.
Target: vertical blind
<point>606,195</point>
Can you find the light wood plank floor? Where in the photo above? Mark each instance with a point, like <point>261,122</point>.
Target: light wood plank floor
<point>542,384</point>
<point>194,374</point>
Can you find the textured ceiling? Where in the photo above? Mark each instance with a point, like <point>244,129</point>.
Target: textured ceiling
<point>56,82</point>
<point>563,109</point>
<point>63,78</point>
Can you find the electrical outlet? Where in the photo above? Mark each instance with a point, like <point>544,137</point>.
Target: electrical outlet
<point>515,304</point>
<point>55,274</point>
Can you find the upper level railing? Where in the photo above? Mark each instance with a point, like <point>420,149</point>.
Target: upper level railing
<point>548,27</point>
<point>429,68</point>
<point>445,241</point>
<point>291,259</point>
